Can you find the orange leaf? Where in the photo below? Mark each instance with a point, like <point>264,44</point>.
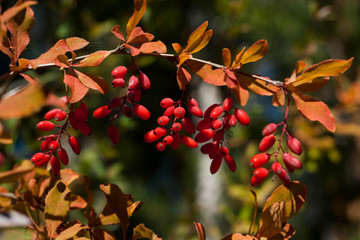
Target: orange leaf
<point>75,43</point>
<point>258,86</point>
<point>62,61</point>
<point>278,98</point>
<point>116,30</point>
<point>196,37</point>
<point>71,231</point>
<point>285,234</point>
<point>22,103</point>
<point>141,232</point>
<point>238,236</point>
<point>255,52</point>
<point>177,47</point>
<point>11,12</point>
<point>108,217</point>
<point>22,64</point>
<point>93,82</point>
<point>272,219</point>
<point>300,66</point>
<point>312,85</point>
<point>332,67</point>
<point>77,89</point>
<point>93,60</point>
<point>183,78</point>
<point>237,62</point>
<point>15,174</point>
<point>241,94</point>
<point>204,41</point>
<point>226,55</point>
<point>314,110</point>
<point>133,50</point>
<point>214,77</point>
<point>68,176</point>
<point>30,79</point>
<point>150,47</point>
<point>230,79</point>
<point>183,57</point>
<point>200,230</point>
<point>138,36</point>
<point>139,11</point>
<point>77,202</point>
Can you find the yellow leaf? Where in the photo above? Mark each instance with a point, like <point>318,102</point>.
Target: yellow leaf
<point>255,52</point>
<point>226,55</point>
<point>139,11</point>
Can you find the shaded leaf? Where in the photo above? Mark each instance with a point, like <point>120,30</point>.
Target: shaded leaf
<point>226,55</point>
<point>272,219</point>
<point>200,230</point>
<point>183,78</point>
<point>22,64</point>
<point>214,77</point>
<point>255,52</point>
<point>279,98</point>
<point>300,66</point>
<point>68,176</point>
<point>89,212</point>
<point>255,85</point>
<point>5,137</point>
<point>196,37</point>
<point>93,60</point>
<point>5,44</point>
<point>108,217</point>
<point>241,94</point>
<point>77,202</point>
<point>70,231</point>
<point>77,89</point>
<point>138,37</point>
<point>57,205</point>
<point>177,47</point>
<point>5,202</point>
<point>237,62</point>
<point>140,232</point>
<point>22,102</point>
<point>150,47</point>
<point>139,11</point>
<point>93,82</point>
<point>238,236</point>
<point>314,110</point>
<point>116,30</point>
<point>183,57</point>
<point>62,61</point>
<point>30,79</point>
<point>230,79</point>
<point>286,233</point>
<point>13,11</point>
<point>103,234</point>
<point>312,85</point>
<point>13,175</point>
<point>134,51</point>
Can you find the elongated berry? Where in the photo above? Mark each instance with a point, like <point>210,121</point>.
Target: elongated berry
<point>144,81</point>
<point>53,145</point>
<point>101,112</point>
<point>119,72</point>
<point>74,122</point>
<point>242,117</point>
<point>219,135</point>
<point>160,131</point>
<point>55,165</point>
<point>209,109</point>
<point>259,175</point>
<point>291,162</point>
<point>193,102</point>
<point>60,116</point>
<point>259,160</point>
<point>150,137</point>
<point>169,111</point>
<point>276,167</point>
<point>285,178</point>
<point>74,144</point>
<point>80,115</point>
<point>127,111</point>
<point>51,114</point>
<point>216,124</point>
<point>196,111</point>
<point>228,104</point>
<point>118,83</point>
<point>204,124</point>
<point>209,148</point>
<point>141,112</point>
<point>130,95</point>
<point>45,126</point>
<point>215,164</point>
<point>43,161</point>
<point>188,125</point>
<point>63,156</point>
<point>163,120</point>
<point>168,140</point>
<point>223,151</point>
<point>216,112</point>
<point>266,143</point>
<point>160,146</point>
<point>179,112</point>
<point>176,127</point>
<point>269,129</point>
<point>294,145</point>
<point>176,140</point>
<point>231,120</point>
<point>44,144</point>
<point>113,134</point>
<point>204,135</point>
<point>115,102</point>
<point>84,109</point>
<point>134,82</point>
<point>166,102</point>
<point>230,161</point>
<point>188,141</point>
<point>37,157</point>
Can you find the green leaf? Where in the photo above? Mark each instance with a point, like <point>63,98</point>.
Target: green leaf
<point>57,205</point>
<point>93,82</point>
<point>139,11</point>
<point>141,232</point>
<point>77,89</point>
<point>13,175</point>
<point>93,60</point>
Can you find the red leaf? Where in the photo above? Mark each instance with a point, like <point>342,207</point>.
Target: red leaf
<point>77,89</point>
<point>93,60</point>
<point>183,78</point>
<point>139,11</point>
<point>11,12</point>
<point>62,61</point>
<point>149,47</point>
<point>116,30</point>
<point>214,77</point>
<point>230,79</point>
<point>238,236</point>
<point>200,230</point>
<point>314,110</point>
<point>93,82</point>
<point>138,36</point>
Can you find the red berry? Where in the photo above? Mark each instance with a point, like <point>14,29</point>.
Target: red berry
<point>134,82</point>
<point>55,165</point>
<point>188,125</point>
<point>64,100</point>
<point>259,175</point>
<point>74,122</point>
<point>291,162</point>
<point>231,120</point>
<point>276,167</point>
<point>216,112</point>
<point>163,120</point>
<point>216,124</point>
<point>119,72</point>
<point>223,151</point>
<point>228,104</point>
<point>219,135</point>
<point>166,102</point>
<point>118,83</point>
<point>53,145</point>
<point>176,127</point>
<point>169,111</point>
<point>74,144</point>
<point>141,112</point>
<point>176,140</point>
<point>188,141</point>
<point>150,137</point>
<point>204,135</point>
<point>80,115</point>
<point>196,111</point>
<point>60,116</point>
<point>285,178</point>
<point>259,160</point>
<point>115,102</point>
<point>63,156</point>
<point>127,111</point>
<point>51,114</point>
<point>266,143</point>
<point>43,161</point>
<point>209,148</point>
<point>209,109</point>
<point>269,129</point>
<point>144,81</point>
<point>168,140</point>
<point>294,145</point>
<point>113,134</point>
<point>204,124</point>
<point>193,102</point>
<point>160,146</point>
<point>84,109</point>
<point>230,161</point>
<point>45,126</point>
<point>215,164</point>
<point>242,117</point>
<point>102,112</point>
<point>37,157</point>
<point>179,112</point>
<point>44,145</point>
<point>160,131</point>
<point>131,95</point>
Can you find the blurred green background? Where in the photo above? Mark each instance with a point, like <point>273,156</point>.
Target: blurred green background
<point>166,182</point>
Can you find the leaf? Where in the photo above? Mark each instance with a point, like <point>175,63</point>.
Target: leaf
<point>103,234</point>
<point>116,30</point>
<point>93,82</point>
<point>30,79</point>
<point>138,36</point>
<point>226,55</point>
<point>89,212</point>
<point>196,37</point>
<point>238,236</point>
<point>314,110</point>
<point>150,47</point>
<point>257,86</point>
<point>108,217</point>
<point>204,41</point>
<point>71,231</point>
<point>13,175</point>
<point>279,98</point>
<point>93,60</point>
<point>118,202</point>
<point>68,176</point>
<point>183,78</point>
<point>237,62</point>
<point>22,102</point>
<point>214,77</point>
<point>77,89</point>
<point>230,79</point>
<point>140,232</point>
<point>286,233</point>
<point>5,44</point>
<point>134,51</point>
<point>300,66</point>
<point>5,137</point>
<point>177,47</point>
<point>272,219</point>
<point>13,11</point>
<point>77,202</point>
<point>200,230</point>
<point>22,64</point>
<point>332,67</point>
<point>255,52</point>
<point>62,61</point>
<point>139,11</point>
<point>57,205</point>
<point>313,85</point>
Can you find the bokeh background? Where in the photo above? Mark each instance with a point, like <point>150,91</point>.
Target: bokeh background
<point>176,186</point>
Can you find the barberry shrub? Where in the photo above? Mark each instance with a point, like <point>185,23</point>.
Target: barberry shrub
<point>44,193</point>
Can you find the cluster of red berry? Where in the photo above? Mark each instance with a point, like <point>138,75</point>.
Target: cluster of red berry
<point>127,104</point>
<point>51,144</point>
<point>290,161</point>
